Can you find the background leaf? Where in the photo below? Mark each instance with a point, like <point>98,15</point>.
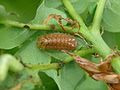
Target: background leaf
<point>72,77</point>
<point>112,39</point>
<point>111,16</point>
<point>23,80</point>
<point>12,37</point>
<point>43,12</point>
<point>21,10</point>
<point>3,13</point>
<point>48,82</point>
<point>29,53</point>
<point>90,84</point>
<point>79,5</point>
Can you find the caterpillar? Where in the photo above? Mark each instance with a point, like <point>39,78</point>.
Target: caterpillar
<point>57,41</point>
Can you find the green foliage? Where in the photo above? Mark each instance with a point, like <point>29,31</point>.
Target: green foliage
<point>21,10</point>
<point>111,16</point>
<point>90,83</point>
<point>69,77</point>
<point>13,37</point>
<point>112,39</point>
<point>3,13</point>
<point>29,53</point>
<point>74,78</point>
<point>47,82</point>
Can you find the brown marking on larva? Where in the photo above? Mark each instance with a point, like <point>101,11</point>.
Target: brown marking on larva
<point>57,41</point>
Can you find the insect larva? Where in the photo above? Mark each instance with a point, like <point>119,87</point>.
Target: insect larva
<point>57,41</point>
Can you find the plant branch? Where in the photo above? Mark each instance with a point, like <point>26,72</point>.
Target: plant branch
<point>44,66</point>
<point>81,53</point>
<point>58,65</point>
<point>98,15</point>
<point>73,13</point>
<point>93,35</point>
<point>35,26</point>
<point>99,44</point>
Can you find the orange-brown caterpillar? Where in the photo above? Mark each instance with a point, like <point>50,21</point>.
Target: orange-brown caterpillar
<point>57,41</point>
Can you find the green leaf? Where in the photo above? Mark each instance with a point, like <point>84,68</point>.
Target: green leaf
<point>90,84</point>
<point>8,82</point>
<point>111,16</point>
<point>43,12</point>
<point>12,37</point>
<point>31,54</point>
<point>47,82</point>
<point>80,5</point>
<point>54,4</point>
<point>72,77</point>
<point>27,79</point>
<point>3,13</point>
<point>112,39</point>
<point>57,54</point>
<point>68,76</point>
<point>21,10</point>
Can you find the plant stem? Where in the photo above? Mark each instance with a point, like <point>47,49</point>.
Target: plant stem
<point>81,53</point>
<point>35,26</point>
<point>58,65</point>
<point>93,35</point>
<point>98,15</point>
<point>116,64</point>
<point>99,44</point>
<point>73,13</point>
<point>22,25</point>
<point>45,66</point>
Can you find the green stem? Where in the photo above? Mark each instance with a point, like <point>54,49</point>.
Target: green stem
<point>94,37</point>
<point>99,44</point>
<point>45,66</point>
<point>73,13</point>
<point>35,26</point>
<point>116,64</point>
<point>98,15</point>
<point>22,25</point>
<point>81,53</point>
